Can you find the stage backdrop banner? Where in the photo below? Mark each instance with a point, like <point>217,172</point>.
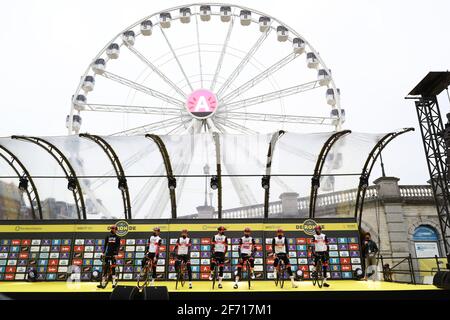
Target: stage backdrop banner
<point>61,250</point>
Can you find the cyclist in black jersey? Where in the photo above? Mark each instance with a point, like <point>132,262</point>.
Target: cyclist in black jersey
<point>110,251</point>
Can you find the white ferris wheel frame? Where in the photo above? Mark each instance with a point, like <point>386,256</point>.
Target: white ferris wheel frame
<point>208,124</point>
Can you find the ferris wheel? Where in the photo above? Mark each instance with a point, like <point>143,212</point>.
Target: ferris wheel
<point>206,67</point>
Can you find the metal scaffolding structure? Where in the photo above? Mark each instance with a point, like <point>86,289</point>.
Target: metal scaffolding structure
<point>436,146</point>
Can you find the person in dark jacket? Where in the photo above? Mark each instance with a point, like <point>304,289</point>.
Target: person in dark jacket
<point>110,251</point>
<point>370,251</point>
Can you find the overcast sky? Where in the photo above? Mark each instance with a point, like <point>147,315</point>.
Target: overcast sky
<point>378,51</point>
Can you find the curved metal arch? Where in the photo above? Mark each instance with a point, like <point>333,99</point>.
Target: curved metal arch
<point>118,168</point>
<point>216,139</point>
<point>65,166</point>
<point>275,137</point>
<point>32,193</point>
<point>167,164</point>
<point>315,180</point>
<point>367,169</point>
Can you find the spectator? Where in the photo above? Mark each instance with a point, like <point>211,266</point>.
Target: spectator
<point>370,251</point>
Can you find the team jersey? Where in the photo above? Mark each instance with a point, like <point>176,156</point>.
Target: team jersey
<point>183,246</point>
<point>320,243</point>
<point>220,243</point>
<point>111,245</point>
<point>279,245</point>
<point>246,245</point>
<point>153,244</point>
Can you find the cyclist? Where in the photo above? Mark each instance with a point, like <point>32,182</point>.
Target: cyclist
<point>152,252</point>
<point>320,242</point>
<point>247,251</point>
<point>280,251</point>
<point>182,254</point>
<point>219,250</point>
<point>110,251</point>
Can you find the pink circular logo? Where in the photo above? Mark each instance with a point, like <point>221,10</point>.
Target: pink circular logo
<point>202,103</point>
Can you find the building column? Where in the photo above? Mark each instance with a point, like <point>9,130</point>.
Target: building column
<point>397,232</point>
<point>205,212</point>
<point>289,204</point>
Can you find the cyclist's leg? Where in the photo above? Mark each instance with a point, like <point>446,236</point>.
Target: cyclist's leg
<point>177,264</point>
<point>188,267</point>
<point>155,262</point>
<point>221,263</point>
<point>252,266</point>
<point>113,271</point>
<point>316,260</point>
<point>287,263</point>
<point>239,269</point>
<point>105,268</point>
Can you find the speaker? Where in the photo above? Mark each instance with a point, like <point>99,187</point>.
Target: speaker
<point>156,293</point>
<point>442,279</point>
<point>123,293</point>
<point>132,293</point>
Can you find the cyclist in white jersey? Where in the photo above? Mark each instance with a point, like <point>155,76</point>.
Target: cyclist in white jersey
<point>320,246</point>
<point>182,254</point>
<point>247,249</point>
<point>219,250</point>
<point>280,251</point>
<point>152,251</point>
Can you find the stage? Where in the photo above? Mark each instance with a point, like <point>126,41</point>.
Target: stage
<point>265,290</point>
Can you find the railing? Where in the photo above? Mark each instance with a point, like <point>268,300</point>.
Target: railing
<point>399,269</point>
<point>416,192</point>
<point>332,199</point>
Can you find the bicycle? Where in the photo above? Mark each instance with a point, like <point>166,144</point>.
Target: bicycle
<point>247,269</point>
<point>317,275</point>
<point>281,273</point>
<point>181,275</point>
<point>216,273</point>
<point>143,278</point>
<point>106,273</point>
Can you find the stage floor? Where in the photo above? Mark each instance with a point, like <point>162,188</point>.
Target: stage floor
<point>205,286</point>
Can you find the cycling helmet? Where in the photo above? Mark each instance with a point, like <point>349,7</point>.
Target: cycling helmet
<point>247,229</point>
<point>113,227</point>
<point>279,230</point>
<point>184,231</point>
<point>318,228</point>
<point>221,228</point>
<point>156,229</point>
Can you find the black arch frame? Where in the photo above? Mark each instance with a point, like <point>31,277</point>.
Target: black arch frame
<point>216,139</point>
<point>367,170</point>
<point>35,202</point>
<point>273,141</point>
<point>169,172</point>
<point>315,180</point>
<point>65,165</point>
<point>118,168</point>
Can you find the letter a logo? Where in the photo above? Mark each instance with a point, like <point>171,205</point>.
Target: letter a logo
<point>202,105</point>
